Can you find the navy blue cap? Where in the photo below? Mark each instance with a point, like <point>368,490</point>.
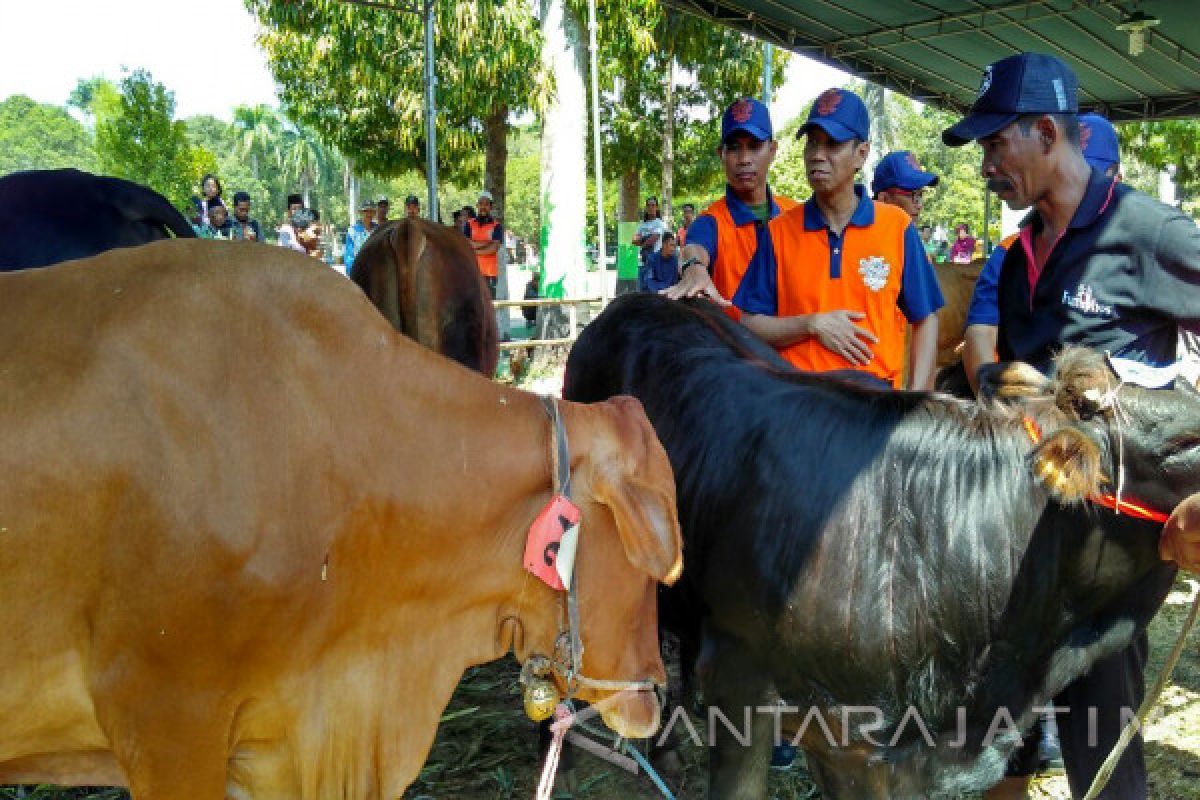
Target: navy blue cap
<point>1028,83</point>
<point>1098,139</point>
<point>841,114</point>
<point>749,115</point>
<point>900,170</point>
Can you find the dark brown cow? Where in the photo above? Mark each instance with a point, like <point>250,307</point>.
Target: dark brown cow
<point>250,537</point>
<point>424,278</point>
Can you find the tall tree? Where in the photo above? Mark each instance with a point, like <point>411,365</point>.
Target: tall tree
<point>303,160</point>
<point>144,142</point>
<point>643,46</point>
<point>41,136</point>
<point>258,128</point>
<point>356,76</point>
<point>564,162</point>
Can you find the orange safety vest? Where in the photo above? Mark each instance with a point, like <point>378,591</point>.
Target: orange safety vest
<point>872,269</point>
<point>735,245</point>
<point>489,263</point>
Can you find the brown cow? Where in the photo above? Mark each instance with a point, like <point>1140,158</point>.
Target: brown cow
<point>957,282</point>
<point>250,537</point>
<point>425,279</point>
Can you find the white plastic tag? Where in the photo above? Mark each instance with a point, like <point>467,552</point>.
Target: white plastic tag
<point>564,565</point>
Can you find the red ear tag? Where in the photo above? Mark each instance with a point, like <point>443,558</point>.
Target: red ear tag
<point>545,540</point>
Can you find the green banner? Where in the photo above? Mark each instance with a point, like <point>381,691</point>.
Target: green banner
<point>628,254</point>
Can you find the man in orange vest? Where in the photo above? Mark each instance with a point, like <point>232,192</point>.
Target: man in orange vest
<point>487,236</point>
<point>843,275</point>
<point>722,241</point>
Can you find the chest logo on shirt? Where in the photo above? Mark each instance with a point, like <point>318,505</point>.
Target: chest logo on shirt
<point>874,271</point>
<point>1084,301</point>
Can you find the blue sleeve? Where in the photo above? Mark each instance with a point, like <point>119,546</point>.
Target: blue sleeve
<point>758,292</point>
<point>920,294</point>
<point>985,299</point>
<point>498,233</point>
<point>703,232</point>
<point>466,231</point>
<point>348,256</point>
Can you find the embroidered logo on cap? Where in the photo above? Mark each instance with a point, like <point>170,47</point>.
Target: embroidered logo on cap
<point>986,83</point>
<point>741,110</point>
<point>1059,94</point>
<point>1085,133</point>
<point>828,101</point>
<point>912,161</point>
<point>874,271</point>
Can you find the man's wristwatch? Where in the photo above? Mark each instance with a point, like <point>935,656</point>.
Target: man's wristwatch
<point>683,267</point>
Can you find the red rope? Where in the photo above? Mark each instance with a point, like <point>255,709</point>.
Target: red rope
<point>1130,508</point>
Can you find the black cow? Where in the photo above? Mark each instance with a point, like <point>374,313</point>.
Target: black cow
<point>48,216</point>
<point>895,551</point>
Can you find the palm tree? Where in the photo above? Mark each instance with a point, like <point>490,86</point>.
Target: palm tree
<point>303,158</point>
<point>258,129</point>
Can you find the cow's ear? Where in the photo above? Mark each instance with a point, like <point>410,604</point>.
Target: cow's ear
<point>637,485</point>
<point>1068,464</point>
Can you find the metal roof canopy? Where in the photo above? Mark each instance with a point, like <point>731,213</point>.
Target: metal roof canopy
<point>935,50</point>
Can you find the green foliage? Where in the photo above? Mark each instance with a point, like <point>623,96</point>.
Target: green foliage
<point>97,98</point>
<point>1173,145</point>
<point>638,40</point>
<point>143,142</point>
<point>787,173</point>
<point>267,156</point>
<point>356,76</point>
<point>40,136</point>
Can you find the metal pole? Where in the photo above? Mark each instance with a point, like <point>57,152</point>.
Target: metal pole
<point>601,244</point>
<point>430,113</point>
<point>768,60</point>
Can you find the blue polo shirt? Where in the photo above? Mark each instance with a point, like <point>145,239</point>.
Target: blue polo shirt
<point>659,273</point>
<point>983,309</point>
<point>919,295</point>
<point>1124,278</point>
<point>732,235</point>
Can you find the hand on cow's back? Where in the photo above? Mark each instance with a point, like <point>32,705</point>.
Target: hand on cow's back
<point>1180,540</point>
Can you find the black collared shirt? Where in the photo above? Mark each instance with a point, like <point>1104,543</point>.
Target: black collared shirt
<point>1124,278</point>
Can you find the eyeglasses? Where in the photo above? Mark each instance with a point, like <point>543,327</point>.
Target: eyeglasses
<point>918,195</point>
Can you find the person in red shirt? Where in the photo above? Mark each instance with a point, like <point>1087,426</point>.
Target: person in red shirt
<point>845,274</point>
<point>487,236</point>
<point>723,240</point>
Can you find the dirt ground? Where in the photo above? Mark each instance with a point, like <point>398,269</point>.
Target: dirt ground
<point>487,749</point>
